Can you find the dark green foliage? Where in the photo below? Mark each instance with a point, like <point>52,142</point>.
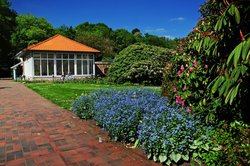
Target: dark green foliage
<point>211,69</point>
<point>30,30</point>
<point>84,106</point>
<point>66,31</point>
<point>233,141</point>
<point>122,39</point>
<point>7,25</point>
<point>96,36</point>
<point>159,41</point>
<point>132,60</point>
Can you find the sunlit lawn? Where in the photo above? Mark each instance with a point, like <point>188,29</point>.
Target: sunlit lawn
<point>63,94</point>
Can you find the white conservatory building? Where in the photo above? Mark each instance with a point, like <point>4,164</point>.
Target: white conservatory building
<point>57,57</point>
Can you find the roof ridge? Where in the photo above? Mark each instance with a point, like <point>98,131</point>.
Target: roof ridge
<point>41,42</point>
<point>79,43</point>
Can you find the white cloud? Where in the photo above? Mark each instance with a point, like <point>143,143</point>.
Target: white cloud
<point>178,19</point>
<point>155,30</point>
<point>169,37</point>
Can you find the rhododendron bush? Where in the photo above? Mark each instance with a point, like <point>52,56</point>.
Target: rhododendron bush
<point>211,68</point>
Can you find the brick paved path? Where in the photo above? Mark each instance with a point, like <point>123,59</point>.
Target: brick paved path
<point>34,131</point>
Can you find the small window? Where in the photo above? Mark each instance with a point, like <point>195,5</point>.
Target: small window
<point>37,67</point>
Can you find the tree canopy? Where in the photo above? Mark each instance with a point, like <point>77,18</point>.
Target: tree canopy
<point>7,25</point>
<point>30,30</point>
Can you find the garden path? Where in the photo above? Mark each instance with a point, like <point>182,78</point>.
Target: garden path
<point>34,131</point>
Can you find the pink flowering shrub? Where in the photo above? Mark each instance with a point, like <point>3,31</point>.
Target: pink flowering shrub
<point>211,67</point>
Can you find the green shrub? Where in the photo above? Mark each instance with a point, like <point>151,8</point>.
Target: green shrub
<point>130,63</point>
<point>84,106</point>
<point>234,142</point>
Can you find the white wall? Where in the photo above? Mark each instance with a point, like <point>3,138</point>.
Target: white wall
<point>29,67</point>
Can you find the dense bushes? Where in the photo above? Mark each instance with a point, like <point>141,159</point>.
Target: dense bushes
<point>211,69</point>
<point>165,133</point>
<point>131,61</point>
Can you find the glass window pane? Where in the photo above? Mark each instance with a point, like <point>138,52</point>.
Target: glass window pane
<point>90,67</point>
<point>50,56</point>
<point>37,67</point>
<point>58,56</point>
<point>71,56</point>
<point>59,67</point>
<point>65,67</point>
<point>79,67</point>
<point>85,67</point>
<point>71,67</point>
<point>51,67</point>
<point>65,56</point>
<point>79,56</point>
<point>44,67</point>
<point>90,56</point>
<point>36,55</point>
<point>44,56</point>
<point>84,56</point>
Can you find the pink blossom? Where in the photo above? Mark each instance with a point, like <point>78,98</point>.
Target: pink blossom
<point>206,66</point>
<point>179,73</point>
<point>191,69</point>
<point>175,90</point>
<point>182,103</point>
<point>188,110</point>
<point>195,63</point>
<point>178,100</point>
<point>182,68</point>
<point>184,88</point>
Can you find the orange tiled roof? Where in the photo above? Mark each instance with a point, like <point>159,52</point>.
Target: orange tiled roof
<point>60,43</point>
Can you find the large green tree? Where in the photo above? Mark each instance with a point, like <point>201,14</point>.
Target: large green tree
<point>66,31</point>
<point>122,39</point>
<point>96,36</point>
<point>30,30</point>
<point>7,24</point>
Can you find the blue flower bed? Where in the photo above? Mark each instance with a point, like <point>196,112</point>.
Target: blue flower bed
<point>121,112</point>
<point>167,134</point>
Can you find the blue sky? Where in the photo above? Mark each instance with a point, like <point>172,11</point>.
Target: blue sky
<point>170,18</point>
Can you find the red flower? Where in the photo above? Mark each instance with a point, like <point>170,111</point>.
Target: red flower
<point>188,110</point>
<point>175,90</point>
<point>206,66</point>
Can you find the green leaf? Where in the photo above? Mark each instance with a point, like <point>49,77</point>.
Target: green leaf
<point>185,157</point>
<point>136,143</point>
<point>236,50</point>
<point>206,147</point>
<point>175,157</point>
<point>245,49</point>
<point>231,10</point>
<point>155,158</point>
<point>237,54</point>
<point>193,147</point>
<point>217,83</point>
<point>195,155</point>
<point>149,156</point>
<point>228,96</point>
<point>237,15</point>
<point>162,158</point>
<point>168,162</point>
<point>234,93</point>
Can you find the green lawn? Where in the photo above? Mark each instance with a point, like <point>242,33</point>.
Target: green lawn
<point>63,94</point>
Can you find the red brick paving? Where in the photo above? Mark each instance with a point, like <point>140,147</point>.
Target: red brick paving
<point>34,131</point>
